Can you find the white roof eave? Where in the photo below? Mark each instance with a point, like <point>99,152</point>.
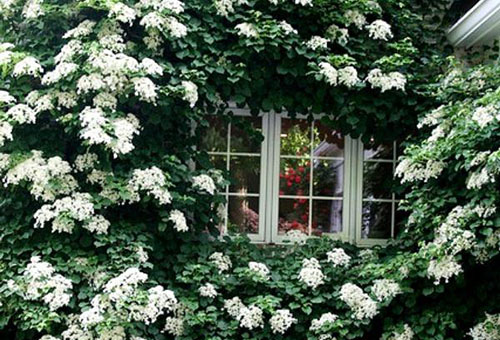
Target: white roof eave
<point>479,26</point>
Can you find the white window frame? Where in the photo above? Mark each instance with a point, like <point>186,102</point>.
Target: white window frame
<point>352,196</point>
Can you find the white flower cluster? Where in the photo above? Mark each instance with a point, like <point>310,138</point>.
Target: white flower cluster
<point>205,183</point>
<point>355,17</point>
<point>259,269</point>
<point>22,114</point>
<point>296,236</point>
<point>281,321</point>
<point>28,66</point>
<point>6,98</point>
<point>5,132</point>
<point>145,89</point>
<point>478,179</point>
<point>233,306</point>
<point>451,235</point>
<point>152,181</point>
<point>340,35</point>
<point>83,29</point>
<point>311,274</point>
<point>124,300</point>
<point>177,217</point>
<point>362,306</point>
<point>96,126</point>
<point>33,9</point>
<point>324,319</point>
<point>65,211</point>
<point>489,329</point>
<point>251,317</point>
<point>329,72</point>
<point>287,28</point>
<point>40,282</point>
<point>412,172</point>
<point>122,13</point>
<point>385,289</point>
<point>247,30</point>
<point>317,43</point>
<point>433,117</point>
<point>379,30</point>
<point>392,80</point>
<point>338,257</point>
<point>190,92</point>
<point>443,268</point>
<point>208,290</point>
<point>484,115</point>
<point>61,71</point>
<point>221,261</point>
<point>406,334</point>
<point>48,177</point>
<point>174,326</point>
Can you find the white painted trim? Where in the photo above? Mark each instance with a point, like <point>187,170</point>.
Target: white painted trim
<point>479,26</point>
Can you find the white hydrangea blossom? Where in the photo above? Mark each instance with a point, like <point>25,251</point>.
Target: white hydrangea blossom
<point>362,306</point>
<point>338,257</point>
<point>311,274</point>
<point>233,306</point>
<point>67,100</point>
<point>5,57</point>
<point>152,181</point>
<point>451,233</point>
<point>385,289</point>
<point>28,66</point>
<point>42,173</point>
<point>159,300</point>
<point>84,29</point>
<point>489,329</point>
<point>317,43</point>
<point>145,89</point>
<point>65,211</point>
<point>433,117</point>
<point>379,30</point>
<point>22,114</point>
<point>205,183</point>
<point>251,317</point>
<point>61,71</point>
<point>412,172</point>
<point>335,33</point>
<point>33,9</point>
<point>259,269</point>
<point>190,92</point>
<point>105,100</point>
<point>326,318</point>
<point>392,80</point>
<point>328,72</point>
<point>247,30</point>
<point>121,287</point>
<point>69,51</point>
<point>478,179</point>
<point>303,2</point>
<point>5,132</point>
<point>296,236</point>
<point>348,76</point>
<point>174,326</point>
<point>406,334</point>
<point>6,98</point>
<point>91,82</point>
<point>208,290</point>
<point>287,28</point>
<point>484,115</point>
<point>151,67</point>
<point>221,261</point>
<point>122,13</point>
<point>174,6</point>
<point>443,268</point>
<point>40,282</point>
<point>355,17</point>
<point>177,217</point>
<point>153,20</point>
<point>281,321</point>
<point>175,28</point>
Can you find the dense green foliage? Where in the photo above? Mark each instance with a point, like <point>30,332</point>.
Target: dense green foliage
<point>202,71</point>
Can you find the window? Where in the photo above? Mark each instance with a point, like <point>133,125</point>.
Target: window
<point>302,176</point>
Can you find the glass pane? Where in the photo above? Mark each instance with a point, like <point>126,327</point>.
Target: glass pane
<point>376,220</point>
<point>328,178</point>
<point>215,137</point>
<point>243,215</point>
<point>246,134</point>
<point>326,216</point>
<point>293,215</point>
<point>378,179</point>
<point>295,137</point>
<point>245,174</point>
<point>294,176</point>
<point>327,142</point>
<point>219,162</point>
<point>373,151</point>
<point>221,212</point>
<point>399,219</point>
